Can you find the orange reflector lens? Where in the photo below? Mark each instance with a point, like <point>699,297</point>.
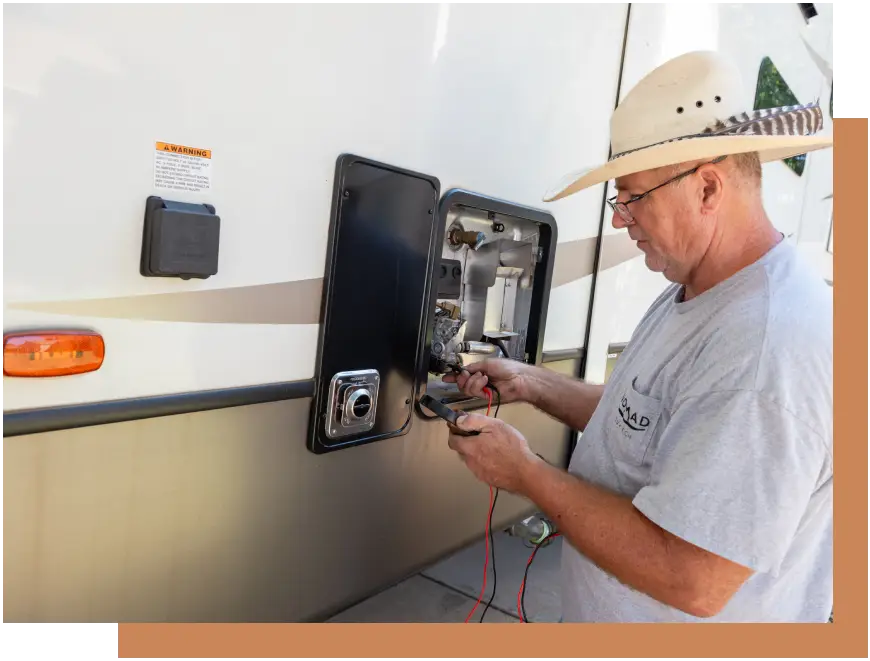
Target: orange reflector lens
<point>52,353</point>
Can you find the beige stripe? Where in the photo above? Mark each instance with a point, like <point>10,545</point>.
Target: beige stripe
<point>297,301</point>
<point>575,259</point>
<point>616,249</point>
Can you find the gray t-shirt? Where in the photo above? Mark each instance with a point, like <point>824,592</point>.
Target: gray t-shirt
<point>717,422</point>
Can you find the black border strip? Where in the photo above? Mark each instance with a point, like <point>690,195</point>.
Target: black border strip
<point>37,421</point>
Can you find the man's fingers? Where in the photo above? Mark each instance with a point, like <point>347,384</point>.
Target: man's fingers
<point>453,442</point>
<point>460,379</point>
<point>468,422</point>
<point>474,368</point>
<point>475,384</point>
<point>470,376</point>
<point>471,380</point>
<point>457,444</point>
<point>475,422</point>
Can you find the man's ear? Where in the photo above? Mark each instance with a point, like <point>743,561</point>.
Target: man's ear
<point>712,189</point>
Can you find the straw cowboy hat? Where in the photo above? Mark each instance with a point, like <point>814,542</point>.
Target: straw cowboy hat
<point>695,107</point>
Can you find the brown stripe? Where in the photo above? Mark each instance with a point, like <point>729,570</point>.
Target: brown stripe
<point>297,301</point>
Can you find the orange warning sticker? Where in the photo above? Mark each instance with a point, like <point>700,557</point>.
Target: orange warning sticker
<point>181,149</point>
<point>182,168</point>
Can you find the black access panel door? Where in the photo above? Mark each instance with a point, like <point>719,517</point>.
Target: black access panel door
<point>381,253</point>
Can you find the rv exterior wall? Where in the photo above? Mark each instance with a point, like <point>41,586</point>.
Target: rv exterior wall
<point>225,516</point>
<point>484,97</point>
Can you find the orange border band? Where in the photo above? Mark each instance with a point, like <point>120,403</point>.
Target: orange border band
<point>846,637</point>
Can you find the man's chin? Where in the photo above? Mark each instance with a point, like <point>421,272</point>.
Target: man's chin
<point>654,263</point>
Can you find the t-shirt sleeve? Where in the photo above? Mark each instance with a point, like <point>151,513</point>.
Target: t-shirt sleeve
<point>733,474</point>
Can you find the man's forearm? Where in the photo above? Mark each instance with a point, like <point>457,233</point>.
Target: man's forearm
<point>567,399</point>
<point>612,533</point>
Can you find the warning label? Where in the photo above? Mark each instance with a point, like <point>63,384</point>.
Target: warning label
<point>181,168</point>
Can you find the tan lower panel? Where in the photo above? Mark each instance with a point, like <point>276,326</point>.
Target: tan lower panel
<point>225,515</point>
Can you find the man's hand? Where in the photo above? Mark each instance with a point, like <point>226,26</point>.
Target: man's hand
<point>498,455</point>
<point>509,376</point>
<point>570,401</point>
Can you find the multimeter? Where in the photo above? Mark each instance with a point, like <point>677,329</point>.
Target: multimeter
<point>445,413</point>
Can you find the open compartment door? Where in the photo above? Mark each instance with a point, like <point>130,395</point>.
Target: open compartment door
<point>380,258</point>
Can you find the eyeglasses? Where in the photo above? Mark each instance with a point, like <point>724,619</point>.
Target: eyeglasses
<point>622,207</point>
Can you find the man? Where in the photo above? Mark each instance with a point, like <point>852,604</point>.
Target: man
<point>701,486</point>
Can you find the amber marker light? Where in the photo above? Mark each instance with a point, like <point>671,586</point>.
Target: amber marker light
<point>52,353</point>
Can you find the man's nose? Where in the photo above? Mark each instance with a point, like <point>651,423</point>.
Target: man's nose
<point>618,221</point>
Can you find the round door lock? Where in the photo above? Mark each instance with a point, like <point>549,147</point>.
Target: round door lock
<point>359,403</point>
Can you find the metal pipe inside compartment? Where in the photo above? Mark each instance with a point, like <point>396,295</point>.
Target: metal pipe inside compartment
<point>478,348</point>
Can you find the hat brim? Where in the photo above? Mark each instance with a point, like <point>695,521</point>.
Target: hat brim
<point>769,148</point>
